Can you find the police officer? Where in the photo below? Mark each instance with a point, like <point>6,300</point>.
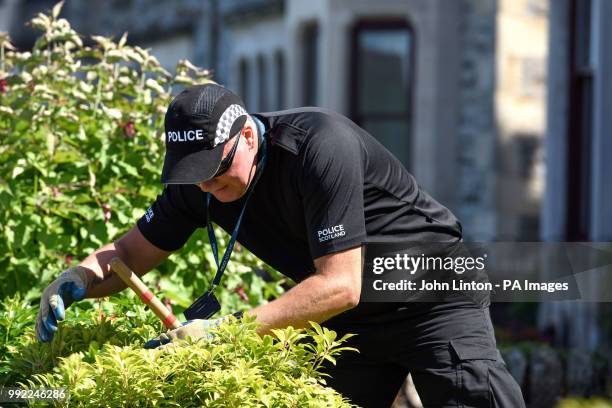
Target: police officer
<point>317,186</point>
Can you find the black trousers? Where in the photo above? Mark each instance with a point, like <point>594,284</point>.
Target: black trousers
<point>449,349</point>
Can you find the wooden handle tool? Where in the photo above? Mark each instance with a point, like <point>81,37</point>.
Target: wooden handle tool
<point>137,285</point>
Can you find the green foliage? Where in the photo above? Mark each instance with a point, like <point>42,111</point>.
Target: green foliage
<point>585,403</point>
<point>91,324</point>
<point>16,316</point>
<point>97,355</point>
<point>81,150</point>
<point>80,158</point>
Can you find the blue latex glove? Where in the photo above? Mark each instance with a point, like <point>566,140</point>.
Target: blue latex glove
<point>194,329</point>
<point>70,286</point>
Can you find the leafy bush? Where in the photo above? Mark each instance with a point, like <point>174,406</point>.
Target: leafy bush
<point>123,321</point>
<point>98,356</point>
<point>585,403</point>
<point>80,158</point>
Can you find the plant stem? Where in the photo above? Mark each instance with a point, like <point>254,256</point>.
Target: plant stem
<point>8,328</point>
<point>2,57</point>
<point>99,88</point>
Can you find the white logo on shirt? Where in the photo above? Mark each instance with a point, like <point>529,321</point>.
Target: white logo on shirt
<point>331,232</point>
<point>149,214</point>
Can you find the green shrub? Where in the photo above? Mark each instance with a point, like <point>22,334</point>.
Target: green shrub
<point>80,157</point>
<point>97,355</point>
<point>81,150</point>
<point>597,402</point>
<point>90,325</point>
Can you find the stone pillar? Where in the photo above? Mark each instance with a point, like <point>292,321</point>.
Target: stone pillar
<point>477,131</point>
<point>601,220</point>
<point>552,316</point>
<point>8,11</point>
<point>553,208</point>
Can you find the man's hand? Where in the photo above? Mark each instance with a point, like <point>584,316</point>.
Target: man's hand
<point>195,329</point>
<point>93,278</point>
<point>71,285</point>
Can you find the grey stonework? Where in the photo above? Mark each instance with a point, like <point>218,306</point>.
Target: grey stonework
<point>145,20</point>
<point>554,205</point>
<point>476,129</point>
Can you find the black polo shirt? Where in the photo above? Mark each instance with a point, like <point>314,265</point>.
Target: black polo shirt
<point>327,186</point>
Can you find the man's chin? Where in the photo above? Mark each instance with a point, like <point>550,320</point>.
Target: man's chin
<point>226,195</point>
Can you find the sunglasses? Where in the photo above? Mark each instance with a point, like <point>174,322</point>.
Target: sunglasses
<point>227,162</point>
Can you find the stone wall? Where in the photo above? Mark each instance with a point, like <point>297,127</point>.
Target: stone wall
<point>148,22</point>
<point>476,128</point>
<point>546,374</point>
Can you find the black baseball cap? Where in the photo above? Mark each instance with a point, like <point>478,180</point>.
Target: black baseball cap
<point>199,121</point>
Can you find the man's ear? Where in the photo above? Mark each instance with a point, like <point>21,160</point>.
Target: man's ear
<point>249,133</point>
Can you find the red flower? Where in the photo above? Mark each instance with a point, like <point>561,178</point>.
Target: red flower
<point>129,131</point>
<point>241,293</point>
<point>107,212</point>
<point>3,86</point>
<point>69,259</point>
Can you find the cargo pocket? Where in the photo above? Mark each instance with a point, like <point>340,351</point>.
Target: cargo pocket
<point>473,362</point>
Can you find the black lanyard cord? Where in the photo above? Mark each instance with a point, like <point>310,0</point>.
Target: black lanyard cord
<point>211,233</point>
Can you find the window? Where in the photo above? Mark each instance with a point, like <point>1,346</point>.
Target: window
<point>580,123</point>
<point>381,82</point>
<point>310,64</point>
<point>262,82</point>
<point>279,63</point>
<point>243,80</point>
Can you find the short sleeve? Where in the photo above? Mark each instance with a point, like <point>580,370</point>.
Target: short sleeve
<point>331,184</point>
<point>173,217</point>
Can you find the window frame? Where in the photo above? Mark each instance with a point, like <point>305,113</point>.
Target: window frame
<point>382,24</point>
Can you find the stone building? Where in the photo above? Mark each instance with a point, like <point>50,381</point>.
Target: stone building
<point>451,87</point>
<point>447,78</point>
<point>172,29</point>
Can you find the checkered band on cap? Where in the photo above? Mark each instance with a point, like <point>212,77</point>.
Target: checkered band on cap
<point>226,121</point>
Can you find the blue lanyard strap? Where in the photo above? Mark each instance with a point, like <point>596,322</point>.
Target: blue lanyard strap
<point>211,233</point>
